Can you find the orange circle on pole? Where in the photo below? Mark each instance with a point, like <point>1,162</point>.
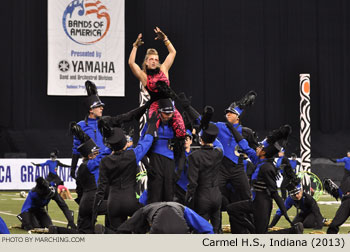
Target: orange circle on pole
<point>306,87</point>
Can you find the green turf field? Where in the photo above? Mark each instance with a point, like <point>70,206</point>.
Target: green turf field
<point>11,204</point>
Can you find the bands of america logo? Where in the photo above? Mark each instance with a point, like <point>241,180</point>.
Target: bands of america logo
<point>86,21</point>
<point>63,66</point>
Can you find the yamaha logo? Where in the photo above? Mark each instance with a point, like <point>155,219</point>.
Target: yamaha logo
<point>63,66</point>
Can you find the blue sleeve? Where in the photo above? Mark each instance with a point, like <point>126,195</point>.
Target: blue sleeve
<point>3,227</point>
<point>76,143</point>
<point>93,164</point>
<point>143,198</point>
<point>279,162</point>
<point>28,203</point>
<point>43,164</point>
<point>143,132</point>
<point>293,163</point>
<point>245,163</point>
<point>340,160</point>
<point>142,147</point>
<point>217,144</point>
<point>288,204</point>
<point>243,144</point>
<point>279,212</point>
<point>197,222</point>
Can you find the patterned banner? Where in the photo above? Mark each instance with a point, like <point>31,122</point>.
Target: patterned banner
<point>305,128</point>
<point>85,42</point>
<point>142,175</point>
<point>143,98</point>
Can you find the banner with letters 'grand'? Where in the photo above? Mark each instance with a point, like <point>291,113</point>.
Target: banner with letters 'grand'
<point>86,42</point>
<point>20,174</point>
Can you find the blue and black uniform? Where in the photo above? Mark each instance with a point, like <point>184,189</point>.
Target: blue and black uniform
<point>90,128</point>
<point>118,171</point>
<point>181,184</point>
<point>87,177</point>
<point>3,227</point>
<point>161,169</point>
<point>308,212</point>
<point>341,215</point>
<point>264,185</point>
<point>230,171</point>
<point>34,214</point>
<point>53,167</point>
<point>294,163</point>
<point>343,211</point>
<point>229,196</point>
<point>345,160</point>
<point>203,185</point>
<point>285,181</point>
<point>346,175</point>
<point>166,218</point>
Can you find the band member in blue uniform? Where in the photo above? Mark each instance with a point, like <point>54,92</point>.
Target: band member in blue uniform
<point>118,171</point>
<point>3,228</point>
<point>87,176</point>
<point>203,193</point>
<point>90,124</point>
<point>181,184</point>
<point>343,211</point>
<point>264,177</point>
<point>346,175</point>
<point>160,172</point>
<point>230,171</point>
<point>308,212</point>
<point>165,218</point>
<point>280,163</point>
<point>53,164</point>
<point>34,214</point>
<point>87,179</point>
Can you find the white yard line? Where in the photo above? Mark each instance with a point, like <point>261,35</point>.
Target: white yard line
<point>329,202</point>
<point>61,222</point>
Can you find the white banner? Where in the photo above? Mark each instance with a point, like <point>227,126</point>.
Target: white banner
<point>20,174</point>
<point>86,42</point>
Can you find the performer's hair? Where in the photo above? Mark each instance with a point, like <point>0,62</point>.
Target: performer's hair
<point>150,51</point>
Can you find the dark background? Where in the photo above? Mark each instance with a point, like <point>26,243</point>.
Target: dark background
<point>224,49</point>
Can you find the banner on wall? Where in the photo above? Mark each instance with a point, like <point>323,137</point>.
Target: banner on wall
<point>86,42</point>
<point>20,174</point>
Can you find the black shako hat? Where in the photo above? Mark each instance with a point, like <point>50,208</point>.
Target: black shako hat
<point>87,148</point>
<point>239,106</point>
<point>234,108</point>
<point>43,188</point>
<point>166,106</point>
<point>293,189</point>
<point>210,133</point>
<point>93,100</point>
<point>276,140</point>
<point>117,140</point>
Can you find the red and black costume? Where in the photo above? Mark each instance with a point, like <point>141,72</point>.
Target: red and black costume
<point>153,76</point>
